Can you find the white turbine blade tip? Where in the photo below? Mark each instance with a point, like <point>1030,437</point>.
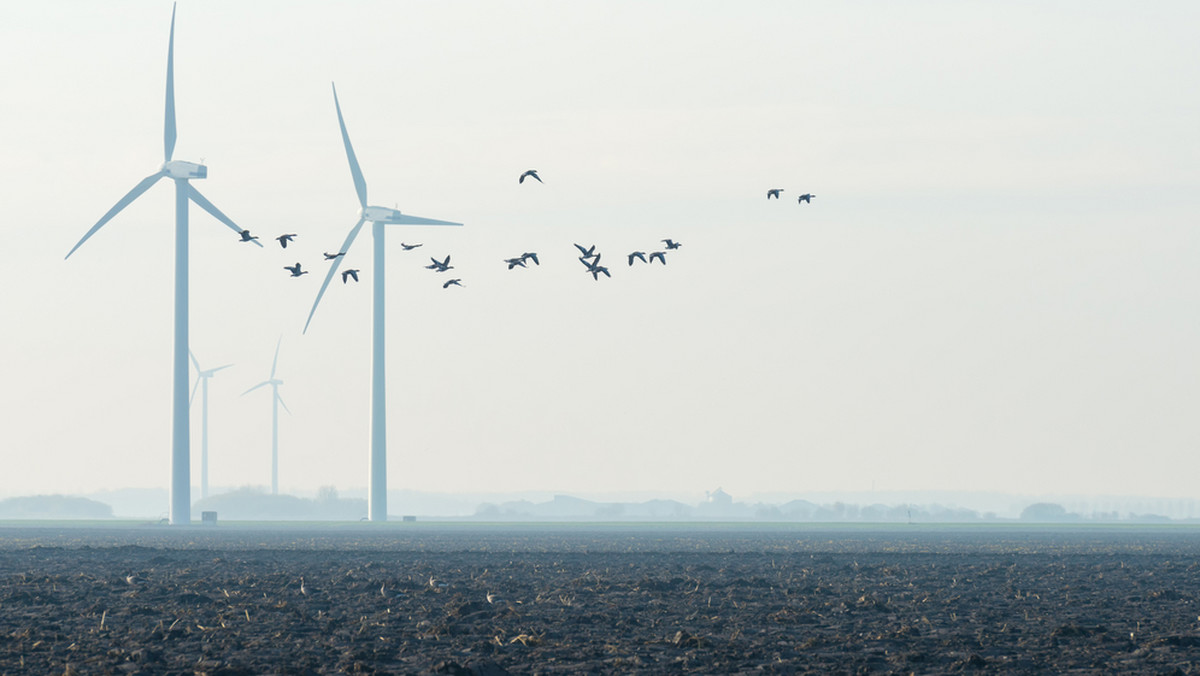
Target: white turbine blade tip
<point>265,382</point>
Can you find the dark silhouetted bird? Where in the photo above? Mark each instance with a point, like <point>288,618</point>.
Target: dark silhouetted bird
<point>329,256</point>
<point>588,252</point>
<point>640,255</point>
<point>531,256</point>
<point>349,273</point>
<point>671,244</point>
<point>409,247</point>
<point>295,270</point>
<point>246,236</point>
<point>660,255</point>
<point>514,262</point>
<point>806,197</point>
<point>439,266</point>
<point>284,239</point>
<point>595,268</point>
<point>455,282</point>
<point>774,192</point>
<point>532,173</point>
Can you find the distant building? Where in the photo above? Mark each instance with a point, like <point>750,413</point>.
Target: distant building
<point>719,504</point>
<point>719,498</point>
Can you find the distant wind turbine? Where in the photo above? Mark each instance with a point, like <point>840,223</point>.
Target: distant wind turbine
<point>202,382</point>
<point>379,217</point>
<point>276,402</point>
<point>180,172</point>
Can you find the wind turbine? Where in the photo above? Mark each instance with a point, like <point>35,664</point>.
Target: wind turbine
<point>379,217</point>
<point>180,172</point>
<point>202,377</point>
<point>276,400</point>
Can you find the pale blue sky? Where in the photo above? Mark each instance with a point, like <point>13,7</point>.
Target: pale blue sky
<point>995,289</point>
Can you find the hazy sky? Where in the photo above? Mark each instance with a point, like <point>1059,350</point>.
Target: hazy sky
<point>996,288</point>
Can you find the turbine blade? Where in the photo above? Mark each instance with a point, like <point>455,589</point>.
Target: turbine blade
<point>204,204</point>
<point>193,397</point>
<point>360,184</point>
<point>265,382</point>
<point>405,219</point>
<point>333,270</point>
<point>280,399</point>
<point>276,360</point>
<point>169,126</point>
<point>129,197</point>
<point>212,371</point>
<point>193,356</point>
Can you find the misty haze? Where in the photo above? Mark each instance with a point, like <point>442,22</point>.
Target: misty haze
<point>523,337</point>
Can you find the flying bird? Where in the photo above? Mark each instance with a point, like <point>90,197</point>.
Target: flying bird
<point>295,270</point>
<point>409,247</point>
<point>588,252</point>
<point>774,192</point>
<point>455,282</point>
<point>349,273</point>
<point>671,244</point>
<point>531,256</point>
<point>284,239</point>
<point>595,268</point>
<point>660,255</point>
<point>532,173</point>
<point>640,255</point>
<point>247,237</point>
<point>329,256</point>
<point>439,266</point>
<point>806,197</point>
<point>513,262</point>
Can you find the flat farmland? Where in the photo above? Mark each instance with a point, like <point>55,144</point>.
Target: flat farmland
<point>588,598</point>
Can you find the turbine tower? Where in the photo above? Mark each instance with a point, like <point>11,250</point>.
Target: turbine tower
<point>202,377</point>
<point>276,400</point>
<point>379,217</point>
<point>180,172</point>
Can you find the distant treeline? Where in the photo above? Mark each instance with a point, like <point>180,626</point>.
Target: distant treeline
<point>567,508</point>
<point>53,507</point>
<point>253,504</point>
<point>570,508</point>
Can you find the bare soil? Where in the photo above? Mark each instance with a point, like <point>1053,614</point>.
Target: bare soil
<point>589,599</point>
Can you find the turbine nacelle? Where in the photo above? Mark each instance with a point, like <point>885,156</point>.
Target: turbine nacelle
<point>380,215</point>
<point>181,169</point>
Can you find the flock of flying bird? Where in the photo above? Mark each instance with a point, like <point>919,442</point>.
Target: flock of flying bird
<point>296,269</point>
<point>806,198</point>
<point>589,257</point>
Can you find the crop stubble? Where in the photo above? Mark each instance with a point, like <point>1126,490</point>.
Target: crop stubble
<point>572,600</point>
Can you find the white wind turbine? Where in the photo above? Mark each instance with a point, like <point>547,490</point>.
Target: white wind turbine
<point>379,217</point>
<point>202,377</point>
<point>180,172</point>
<point>276,401</point>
